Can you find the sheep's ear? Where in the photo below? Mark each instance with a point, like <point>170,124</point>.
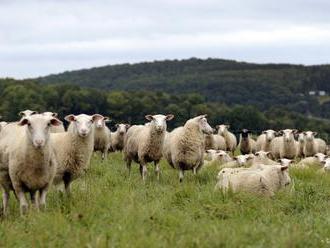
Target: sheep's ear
<point>97,117</point>
<point>70,118</point>
<point>149,117</point>
<point>283,168</point>
<point>55,122</point>
<point>280,132</point>
<point>295,131</point>
<point>207,151</point>
<point>227,126</point>
<point>21,113</point>
<point>169,117</point>
<point>23,121</point>
<point>264,132</point>
<point>117,125</point>
<point>269,155</point>
<point>314,133</point>
<point>54,114</point>
<point>106,119</point>
<point>127,126</point>
<point>217,127</point>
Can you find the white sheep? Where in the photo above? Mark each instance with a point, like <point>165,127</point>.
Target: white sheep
<point>118,137</point>
<point>73,149</point>
<point>102,137</point>
<point>218,157</point>
<point>326,165</point>
<point>3,124</point>
<point>230,138</point>
<point>246,144</point>
<point>301,145</point>
<point>264,140</point>
<point>27,161</point>
<point>317,160</point>
<point>285,146</point>
<point>215,141</point>
<point>312,145</point>
<point>144,143</point>
<point>263,157</point>
<point>264,181</point>
<point>55,129</point>
<point>239,161</point>
<point>184,146</point>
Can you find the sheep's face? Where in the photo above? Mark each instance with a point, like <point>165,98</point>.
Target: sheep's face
<point>122,128</point>
<point>326,163</point>
<point>301,137</point>
<point>222,156</point>
<point>284,176</point>
<point>100,123</point>
<point>222,129</point>
<point>288,134</point>
<point>309,135</point>
<point>159,121</point>
<point>242,159</point>
<point>320,156</point>
<point>263,154</point>
<point>270,135</point>
<point>204,125</point>
<point>245,133</point>
<point>27,112</point>
<point>285,162</point>
<point>38,128</point>
<point>83,124</point>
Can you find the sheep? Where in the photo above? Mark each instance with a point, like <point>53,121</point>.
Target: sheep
<point>231,141</point>
<point>317,160</point>
<point>263,157</point>
<point>301,145</point>
<point>117,137</point>
<point>215,141</point>
<point>264,140</point>
<point>327,150</point>
<point>216,156</point>
<point>261,181</point>
<point>73,149</point>
<point>27,162</point>
<point>246,144</point>
<point>3,124</point>
<point>144,143</point>
<point>102,137</point>
<point>312,145</point>
<point>184,146</point>
<point>27,112</point>
<point>326,165</point>
<point>55,129</point>
<point>285,146</point>
<point>240,161</point>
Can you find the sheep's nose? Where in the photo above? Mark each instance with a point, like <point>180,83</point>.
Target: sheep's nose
<point>83,131</point>
<point>39,142</point>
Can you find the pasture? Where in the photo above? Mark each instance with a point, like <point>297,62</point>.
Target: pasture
<point>108,209</point>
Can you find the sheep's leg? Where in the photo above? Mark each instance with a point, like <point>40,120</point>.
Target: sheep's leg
<point>143,171</point>
<point>34,199</point>
<point>67,181</point>
<point>157,170</point>
<point>5,200</point>
<point>22,202</point>
<point>195,170</point>
<point>181,174</point>
<point>128,165</point>
<point>43,194</point>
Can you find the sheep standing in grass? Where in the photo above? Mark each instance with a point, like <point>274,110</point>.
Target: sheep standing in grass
<point>55,129</point>
<point>260,181</point>
<point>73,149</point>
<point>301,145</point>
<point>285,146</point>
<point>118,137</point>
<point>215,141</point>
<point>312,145</point>
<point>102,137</point>
<point>184,147</point>
<point>246,145</point>
<point>27,162</point>
<point>264,140</point>
<point>231,141</point>
<point>144,143</point>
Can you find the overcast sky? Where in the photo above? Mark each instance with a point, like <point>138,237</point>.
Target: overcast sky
<point>50,36</point>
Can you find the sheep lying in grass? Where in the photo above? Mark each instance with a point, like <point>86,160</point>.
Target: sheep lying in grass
<point>263,157</point>
<point>144,143</point>
<point>118,137</point>
<point>313,145</point>
<point>264,140</point>
<point>55,129</point>
<point>260,181</point>
<point>326,165</point>
<point>231,141</point>
<point>247,144</point>
<point>317,160</point>
<point>285,146</point>
<point>240,161</point>
<point>215,141</point>
<point>184,148</point>
<point>27,162</point>
<point>73,149</point>
<point>102,138</point>
<point>217,157</point>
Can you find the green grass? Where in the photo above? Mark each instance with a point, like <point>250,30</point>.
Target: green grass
<point>108,209</point>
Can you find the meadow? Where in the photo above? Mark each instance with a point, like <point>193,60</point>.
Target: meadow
<point>109,209</point>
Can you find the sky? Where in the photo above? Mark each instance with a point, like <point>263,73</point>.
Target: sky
<point>41,37</point>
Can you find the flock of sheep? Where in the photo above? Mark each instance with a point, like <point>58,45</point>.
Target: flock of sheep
<point>36,152</point>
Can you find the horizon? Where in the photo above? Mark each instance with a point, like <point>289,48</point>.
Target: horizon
<point>38,38</point>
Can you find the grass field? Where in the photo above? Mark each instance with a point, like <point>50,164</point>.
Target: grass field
<point>108,209</point>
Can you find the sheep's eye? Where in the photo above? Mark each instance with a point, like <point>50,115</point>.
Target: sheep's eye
<point>49,124</point>
<point>29,124</point>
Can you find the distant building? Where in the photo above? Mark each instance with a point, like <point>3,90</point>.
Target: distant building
<point>312,93</point>
<point>322,93</point>
<point>317,93</point>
